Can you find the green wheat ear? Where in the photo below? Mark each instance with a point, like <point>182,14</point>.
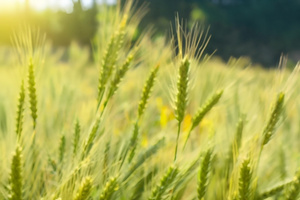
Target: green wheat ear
<point>147,91</point>
<point>238,134</point>
<point>294,190</point>
<point>85,189</point>
<point>235,145</point>
<point>88,144</point>
<point>76,138</point>
<point>203,110</point>
<point>32,93</point>
<point>143,157</point>
<point>62,148</point>
<point>119,75</point>
<point>133,142</point>
<point>273,119</point>
<point>106,160</point>
<point>140,186</point>
<point>182,89</point>
<point>20,111</point>
<point>274,190</point>
<point>204,174</point>
<point>110,58</point>
<point>245,180</point>
<point>16,179</point>
<point>164,183</point>
<point>110,188</point>
<point>182,96</point>
<point>208,105</point>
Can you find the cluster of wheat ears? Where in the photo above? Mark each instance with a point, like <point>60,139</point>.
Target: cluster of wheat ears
<point>97,163</point>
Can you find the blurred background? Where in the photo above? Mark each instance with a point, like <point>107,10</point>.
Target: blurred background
<point>259,30</point>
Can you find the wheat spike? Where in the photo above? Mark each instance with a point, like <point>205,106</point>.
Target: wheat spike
<point>164,184</point>
<point>84,190</point>
<point>110,188</point>
<point>182,95</point>
<point>147,91</point>
<point>274,190</point>
<point>294,190</point>
<point>182,89</point>
<point>273,119</point>
<point>203,110</point>
<point>142,158</point>
<point>76,138</point>
<point>62,148</point>
<point>20,111</point>
<point>119,76</point>
<point>32,93</point>
<point>16,179</point>
<point>204,175</point>
<point>110,59</point>
<point>90,141</point>
<point>133,142</point>
<point>245,180</point>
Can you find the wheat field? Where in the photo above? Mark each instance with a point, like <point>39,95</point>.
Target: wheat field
<point>149,119</point>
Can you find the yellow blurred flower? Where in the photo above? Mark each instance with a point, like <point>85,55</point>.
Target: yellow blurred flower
<point>187,122</point>
<point>144,142</point>
<point>206,125</point>
<point>166,113</point>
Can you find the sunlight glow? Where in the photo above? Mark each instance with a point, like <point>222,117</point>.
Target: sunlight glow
<point>44,4</point>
